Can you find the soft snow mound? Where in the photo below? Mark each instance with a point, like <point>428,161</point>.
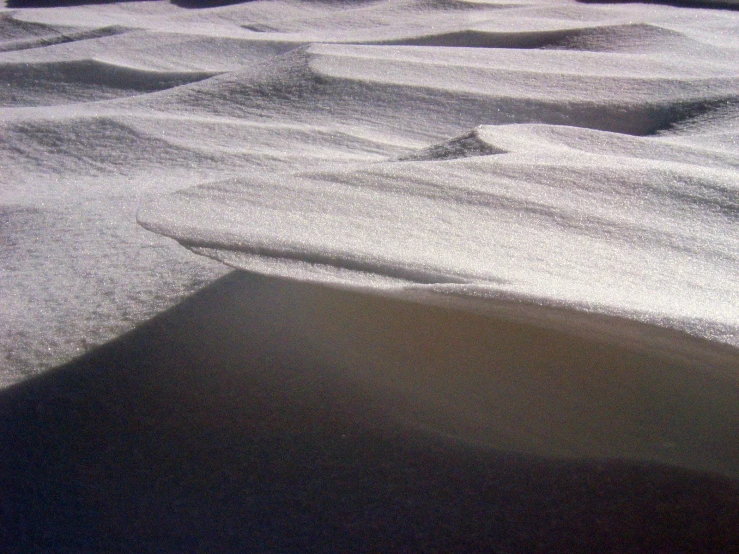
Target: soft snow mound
<point>41,39</point>
<point>621,250</point>
<point>616,228</point>
<point>533,187</point>
<point>465,146</point>
<point>568,169</point>
<point>13,29</point>
<point>83,80</point>
<point>636,37</point>
<point>445,91</point>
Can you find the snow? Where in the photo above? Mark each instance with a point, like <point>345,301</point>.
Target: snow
<point>509,224</point>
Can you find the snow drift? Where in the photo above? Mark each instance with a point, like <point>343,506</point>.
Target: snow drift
<point>514,223</point>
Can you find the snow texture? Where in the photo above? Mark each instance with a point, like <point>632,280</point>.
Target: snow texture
<point>577,157</point>
<point>547,173</point>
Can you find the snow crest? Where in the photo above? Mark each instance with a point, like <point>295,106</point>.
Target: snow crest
<point>552,161</point>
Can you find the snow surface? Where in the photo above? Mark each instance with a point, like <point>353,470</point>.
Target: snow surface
<point>584,158</point>
<point>569,167</point>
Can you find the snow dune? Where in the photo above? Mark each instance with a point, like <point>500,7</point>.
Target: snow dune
<point>597,234</point>
<point>564,196</point>
<point>512,226</point>
<point>628,241</point>
<point>438,93</point>
<point>52,83</point>
<point>224,425</point>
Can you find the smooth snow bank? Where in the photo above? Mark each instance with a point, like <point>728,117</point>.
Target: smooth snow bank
<point>440,92</point>
<point>551,169</point>
<point>565,167</point>
<point>590,221</point>
<point>265,412</point>
<point>84,80</point>
<point>576,157</point>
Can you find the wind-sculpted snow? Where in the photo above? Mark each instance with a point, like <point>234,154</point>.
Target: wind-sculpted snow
<point>400,87</point>
<point>570,168</point>
<point>79,81</point>
<point>618,228</point>
<point>13,29</point>
<point>599,38</point>
<point>510,224</point>
<point>60,38</point>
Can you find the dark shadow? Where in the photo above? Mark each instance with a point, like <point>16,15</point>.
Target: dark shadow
<point>721,4</point>
<point>206,3</point>
<point>710,4</point>
<point>209,429</point>
<point>59,3</point>
<point>216,3</point>
<point>180,3</point>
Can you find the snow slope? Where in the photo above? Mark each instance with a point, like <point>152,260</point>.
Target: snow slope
<point>512,224</point>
